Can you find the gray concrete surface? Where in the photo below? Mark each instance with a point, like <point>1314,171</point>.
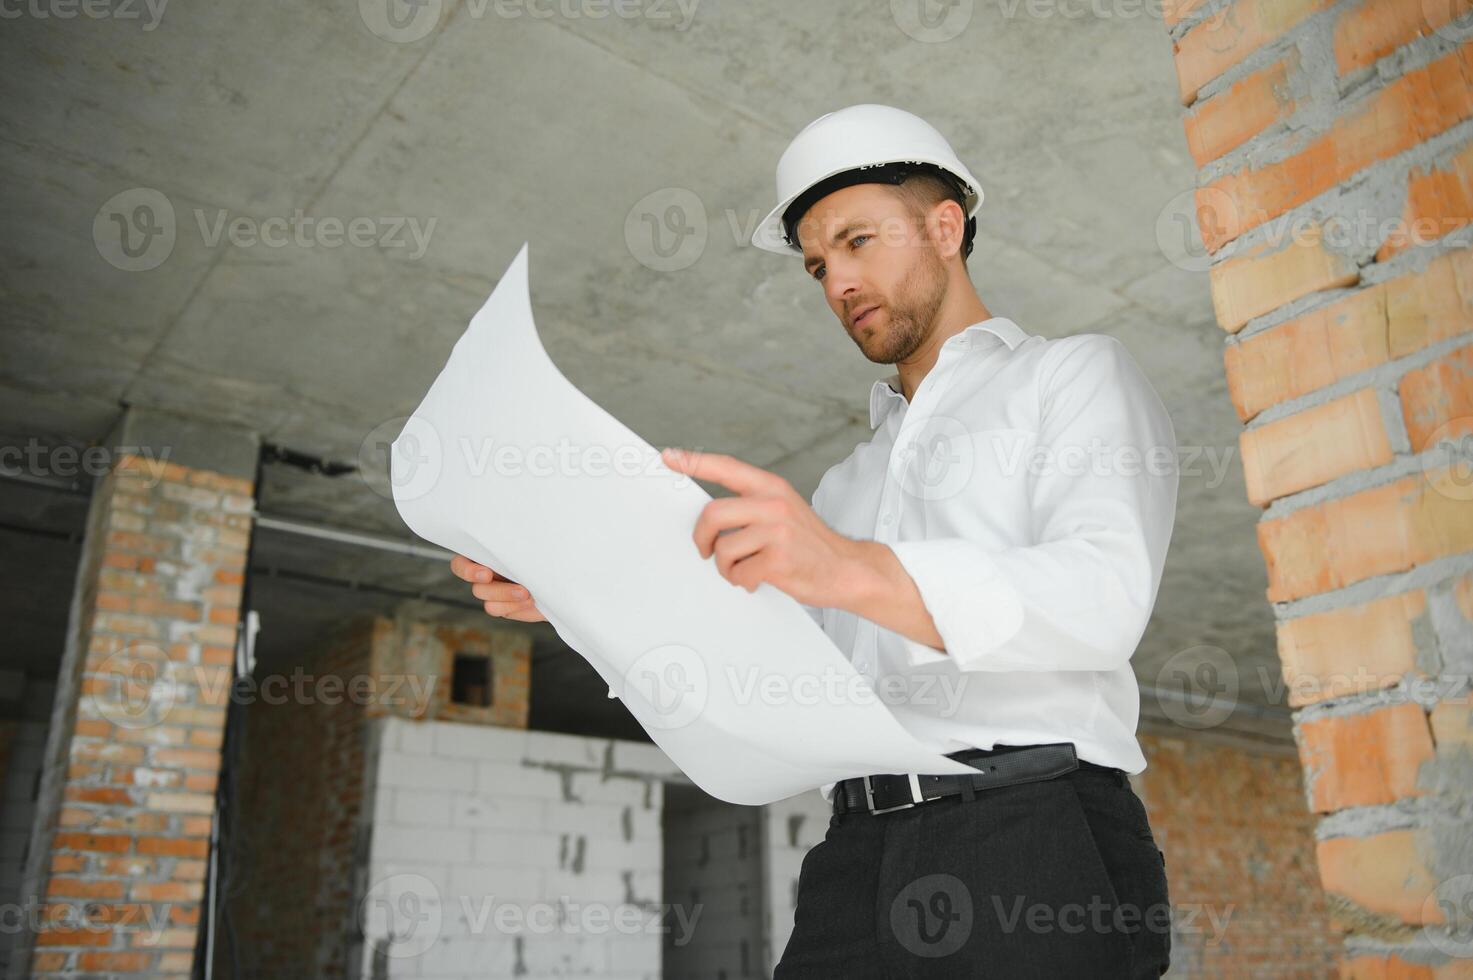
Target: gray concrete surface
<point>572,131</point>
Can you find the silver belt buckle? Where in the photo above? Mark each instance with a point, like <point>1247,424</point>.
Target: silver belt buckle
<point>915,795</point>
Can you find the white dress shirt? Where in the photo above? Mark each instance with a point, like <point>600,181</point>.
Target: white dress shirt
<point>1029,489</point>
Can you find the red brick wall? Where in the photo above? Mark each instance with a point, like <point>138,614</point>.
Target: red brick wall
<point>1335,141</point>
<point>124,815</point>
<point>1240,861</point>
<point>413,661</point>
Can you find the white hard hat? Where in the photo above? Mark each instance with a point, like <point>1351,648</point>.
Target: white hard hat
<point>858,138</point>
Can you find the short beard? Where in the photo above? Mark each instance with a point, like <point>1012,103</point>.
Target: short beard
<point>913,312</point>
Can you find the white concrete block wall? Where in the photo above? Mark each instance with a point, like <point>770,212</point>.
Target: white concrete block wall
<point>515,854</point>
<point>537,855</point>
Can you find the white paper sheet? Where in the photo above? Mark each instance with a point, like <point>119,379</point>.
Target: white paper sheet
<point>507,463</point>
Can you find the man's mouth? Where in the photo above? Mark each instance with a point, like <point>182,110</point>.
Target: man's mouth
<point>865,315</point>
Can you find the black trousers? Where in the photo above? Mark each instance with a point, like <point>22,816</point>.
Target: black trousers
<point>1052,879</point>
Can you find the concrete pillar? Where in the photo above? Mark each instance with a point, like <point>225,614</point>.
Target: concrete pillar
<point>1335,141</point>
<point>116,866</point>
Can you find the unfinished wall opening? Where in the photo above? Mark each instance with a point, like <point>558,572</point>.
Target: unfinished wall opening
<point>470,680</point>
<point>713,886</point>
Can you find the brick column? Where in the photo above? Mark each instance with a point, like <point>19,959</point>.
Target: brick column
<point>1335,142</point>
<point>117,859</point>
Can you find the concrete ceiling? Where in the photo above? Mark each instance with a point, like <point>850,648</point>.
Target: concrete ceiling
<point>492,126</point>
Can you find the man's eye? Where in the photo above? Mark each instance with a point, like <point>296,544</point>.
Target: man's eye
<point>817,272</point>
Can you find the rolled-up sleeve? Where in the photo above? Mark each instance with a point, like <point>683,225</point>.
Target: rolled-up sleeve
<point>1103,485</point>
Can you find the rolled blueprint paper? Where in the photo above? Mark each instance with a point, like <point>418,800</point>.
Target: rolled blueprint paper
<point>507,463</point>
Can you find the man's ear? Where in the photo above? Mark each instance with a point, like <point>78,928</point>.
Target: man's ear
<point>946,226</point>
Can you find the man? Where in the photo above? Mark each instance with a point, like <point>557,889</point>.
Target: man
<point>1003,531</point>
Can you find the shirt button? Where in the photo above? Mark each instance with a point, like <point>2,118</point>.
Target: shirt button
<point>887,520</point>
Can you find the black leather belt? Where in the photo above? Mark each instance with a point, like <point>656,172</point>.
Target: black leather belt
<point>998,766</point>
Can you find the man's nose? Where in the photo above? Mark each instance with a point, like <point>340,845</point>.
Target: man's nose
<point>842,284</point>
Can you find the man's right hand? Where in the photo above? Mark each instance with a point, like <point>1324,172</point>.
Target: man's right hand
<point>500,596</point>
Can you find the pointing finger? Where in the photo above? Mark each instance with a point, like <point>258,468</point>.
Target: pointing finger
<point>730,472</point>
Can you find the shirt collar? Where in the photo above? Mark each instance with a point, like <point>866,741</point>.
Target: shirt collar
<point>885,393</point>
